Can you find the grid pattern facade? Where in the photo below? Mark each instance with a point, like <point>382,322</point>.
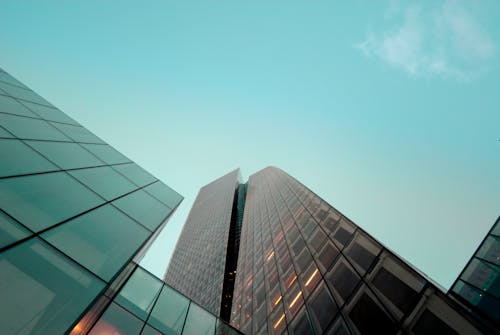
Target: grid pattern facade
<point>197,266</point>
<point>146,305</point>
<point>478,286</point>
<point>304,268</point>
<point>73,213</point>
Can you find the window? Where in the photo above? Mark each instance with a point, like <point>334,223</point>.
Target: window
<point>199,322</point>
<point>342,279</point>
<point>40,201</point>
<point>102,240</point>
<point>369,318</point>
<point>11,231</point>
<point>17,158</point>
<point>105,181</point>
<point>431,324</point>
<point>106,153</point>
<point>116,320</point>
<point>400,294</point>
<point>322,308</point>
<point>65,154</point>
<point>135,173</point>
<point>10,105</point>
<point>49,113</point>
<point>28,128</point>
<point>164,193</point>
<point>169,312</point>
<point>144,208</point>
<point>77,133</point>
<point>43,292</point>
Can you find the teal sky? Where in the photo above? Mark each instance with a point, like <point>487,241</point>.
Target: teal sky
<point>387,110</point>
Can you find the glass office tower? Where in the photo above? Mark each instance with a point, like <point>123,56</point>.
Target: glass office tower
<point>478,286</point>
<point>304,268</point>
<point>205,250</point>
<point>74,216</point>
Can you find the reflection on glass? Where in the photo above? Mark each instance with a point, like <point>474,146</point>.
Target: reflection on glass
<point>164,193</point>
<point>39,201</point>
<point>144,208</point>
<point>105,181</point>
<point>28,128</point>
<point>65,154</point>
<point>10,105</point>
<point>106,153</point>
<point>169,312</point>
<point>17,158</point>
<point>135,173</point>
<point>199,322</point>
<point>117,321</point>
<point>42,292</point>
<point>77,133</point>
<point>102,240</point>
<point>10,231</point>
<point>49,113</point>
<point>140,292</point>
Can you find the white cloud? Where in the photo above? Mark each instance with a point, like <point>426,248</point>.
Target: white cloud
<point>445,41</point>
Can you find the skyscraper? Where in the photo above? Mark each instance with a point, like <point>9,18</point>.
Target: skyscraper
<point>478,286</point>
<point>75,216</point>
<point>198,265</point>
<point>304,268</point>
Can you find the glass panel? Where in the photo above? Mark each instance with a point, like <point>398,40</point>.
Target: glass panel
<point>484,276</point>
<point>490,250</point>
<point>101,240</point>
<point>369,318</point>
<point>106,153</point>
<point>148,330</point>
<point>10,105</point>
<point>11,231</point>
<point>483,301</point>
<point>342,279</point>
<point>42,291</point>
<point>400,294</point>
<point>199,322</point>
<point>169,312</point>
<point>23,94</point>
<point>135,173</point>
<point>5,133</point>
<point>40,201</point>
<point>105,181</point>
<point>144,208</point>
<point>117,321</point>
<point>301,325</point>
<point>49,113</point>
<point>224,329</point>
<point>66,155</point>
<point>140,292</point>
<point>27,128</point>
<point>164,193</point>
<point>17,158</point>
<point>322,308</point>
<point>327,256</point>
<point>11,80</point>
<point>77,133</point>
<point>431,324</point>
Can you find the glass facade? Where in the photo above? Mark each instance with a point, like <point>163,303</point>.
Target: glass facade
<point>304,268</point>
<point>146,305</point>
<point>74,213</point>
<point>197,267</point>
<point>478,286</point>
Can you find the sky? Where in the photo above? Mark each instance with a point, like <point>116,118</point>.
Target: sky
<point>388,110</point>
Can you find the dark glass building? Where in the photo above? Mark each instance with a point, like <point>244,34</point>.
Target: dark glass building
<point>75,217</point>
<point>206,246</point>
<point>304,268</point>
<point>478,286</point>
